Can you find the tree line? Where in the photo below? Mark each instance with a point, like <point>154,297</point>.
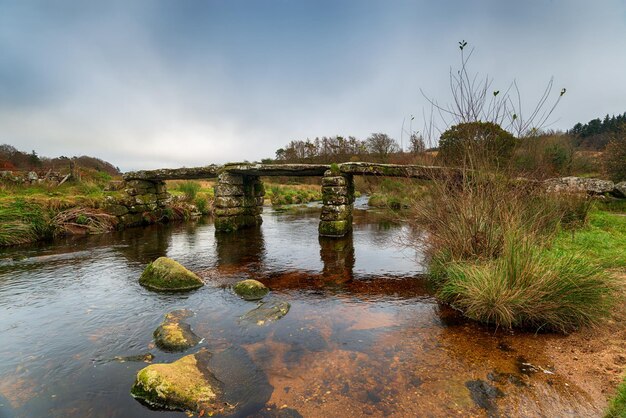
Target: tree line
<point>11,159</point>
<point>327,149</point>
<point>597,133</point>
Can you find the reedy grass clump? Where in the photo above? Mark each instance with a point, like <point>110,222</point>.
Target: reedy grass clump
<point>190,189</point>
<point>23,222</point>
<point>487,234</point>
<point>529,287</point>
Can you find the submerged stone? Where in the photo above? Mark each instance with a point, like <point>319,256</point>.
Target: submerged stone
<point>186,384</point>
<point>484,395</point>
<point>146,358</point>
<point>167,274</point>
<point>251,289</point>
<point>267,312</point>
<point>175,335</point>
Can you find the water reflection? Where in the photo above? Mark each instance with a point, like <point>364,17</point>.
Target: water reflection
<point>244,248</point>
<point>337,255</point>
<point>363,335</point>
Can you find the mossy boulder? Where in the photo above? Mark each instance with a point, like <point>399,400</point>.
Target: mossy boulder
<point>186,384</point>
<point>175,335</point>
<point>251,289</point>
<point>167,274</point>
<point>266,312</point>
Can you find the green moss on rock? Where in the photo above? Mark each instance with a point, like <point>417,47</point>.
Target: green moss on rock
<point>335,228</point>
<point>186,384</point>
<point>251,289</point>
<point>175,335</point>
<point>167,274</point>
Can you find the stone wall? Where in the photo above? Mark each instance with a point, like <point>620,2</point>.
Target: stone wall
<point>337,200</point>
<point>238,202</point>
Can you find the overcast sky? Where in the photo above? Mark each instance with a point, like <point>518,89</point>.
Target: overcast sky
<point>149,84</point>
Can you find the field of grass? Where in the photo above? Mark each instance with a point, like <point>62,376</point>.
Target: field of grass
<point>391,193</point>
<point>602,241</point>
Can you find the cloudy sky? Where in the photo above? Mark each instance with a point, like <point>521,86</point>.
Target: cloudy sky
<point>148,84</point>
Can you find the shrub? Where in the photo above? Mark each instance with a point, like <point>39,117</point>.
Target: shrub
<point>189,189</point>
<point>476,143</point>
<point>529,287</point>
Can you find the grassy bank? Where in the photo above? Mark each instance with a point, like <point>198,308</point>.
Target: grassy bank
<point>509,254</point>
<point>601,241</point>
<point>289,194</point>
<point>30,213</point>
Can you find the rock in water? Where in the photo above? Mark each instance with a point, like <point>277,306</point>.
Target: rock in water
<point>167,274</point>
<point>146,358</point>
<point>251,289</point>
<point>175,335</point>
<point>267,312</point>
<point>187,384</point>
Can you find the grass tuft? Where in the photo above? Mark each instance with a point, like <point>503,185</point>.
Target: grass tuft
<point>530,287</point>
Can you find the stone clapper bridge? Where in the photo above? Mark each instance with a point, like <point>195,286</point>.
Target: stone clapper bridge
<point>239,191</point>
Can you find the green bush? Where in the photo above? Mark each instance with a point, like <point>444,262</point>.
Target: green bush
<point>476,144</point>
<point>528,287</point>
<point>190,189</point>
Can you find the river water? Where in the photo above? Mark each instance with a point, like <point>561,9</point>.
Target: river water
<point>364,335</point>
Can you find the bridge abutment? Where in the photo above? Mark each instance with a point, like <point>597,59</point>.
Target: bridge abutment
<point>238,201</point>
<point>337,199</point>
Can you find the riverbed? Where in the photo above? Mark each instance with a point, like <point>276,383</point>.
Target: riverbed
<point>364,335</point>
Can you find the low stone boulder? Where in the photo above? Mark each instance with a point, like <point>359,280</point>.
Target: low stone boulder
<point>251,289</point>
<point>186,384</point>
<point>175,335</point>
<point>620,189</point>
<point>266,312</point>
<point>166,274</point>
<point>579,185</point>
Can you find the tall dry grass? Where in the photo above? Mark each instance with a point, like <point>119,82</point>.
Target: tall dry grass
<point>488,233</point>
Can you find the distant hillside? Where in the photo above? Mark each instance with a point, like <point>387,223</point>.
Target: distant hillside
<point>596,133</point>
<point>13,159</point>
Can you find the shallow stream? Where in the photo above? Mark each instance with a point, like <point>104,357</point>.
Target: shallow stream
<point>363,336</point>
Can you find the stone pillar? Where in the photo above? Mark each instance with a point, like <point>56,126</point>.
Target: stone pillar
<point>238,202</point>
<point>337,197</point>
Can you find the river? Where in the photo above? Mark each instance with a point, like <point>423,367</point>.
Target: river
<point>364,335</point>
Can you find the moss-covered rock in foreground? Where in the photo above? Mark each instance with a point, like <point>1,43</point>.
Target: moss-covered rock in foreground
<point>187,384</point>
<point>251,289</point>
<point>175,335</point>
<point>167,274</point>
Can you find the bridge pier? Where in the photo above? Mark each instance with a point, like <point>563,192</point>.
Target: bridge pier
<point>337,199</point>
<point>238,201</point>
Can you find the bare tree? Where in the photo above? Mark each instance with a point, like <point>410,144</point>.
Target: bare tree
<point>416,144</point>
<point>474,100</point>
<point>381,145</point>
